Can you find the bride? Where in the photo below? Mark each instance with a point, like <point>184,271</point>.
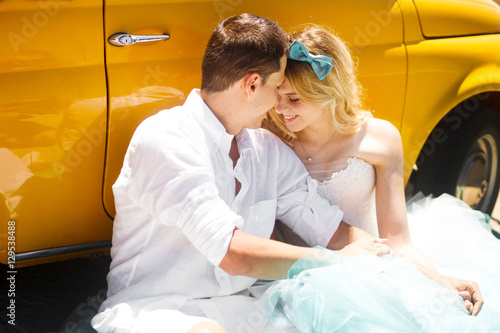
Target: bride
<point>357,161</point>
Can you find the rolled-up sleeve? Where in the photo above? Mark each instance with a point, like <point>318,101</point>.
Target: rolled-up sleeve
<point>172,180</point>
<point>301,207</point>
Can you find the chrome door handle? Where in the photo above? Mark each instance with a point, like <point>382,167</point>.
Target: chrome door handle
<point>123,39</point>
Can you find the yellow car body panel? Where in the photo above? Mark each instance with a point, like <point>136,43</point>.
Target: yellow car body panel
<point>451,18</point>
<point>70,101</point>
<point>441,74</point>
<point>53,121</point>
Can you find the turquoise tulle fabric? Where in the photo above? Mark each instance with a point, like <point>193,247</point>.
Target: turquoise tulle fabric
<point>328,292</point>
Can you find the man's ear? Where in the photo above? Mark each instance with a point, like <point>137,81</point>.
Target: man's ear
<point>249,83</point>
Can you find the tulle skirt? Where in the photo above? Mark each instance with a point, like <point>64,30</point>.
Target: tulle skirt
<point>328,292</point>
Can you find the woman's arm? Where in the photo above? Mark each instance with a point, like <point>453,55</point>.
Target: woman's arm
<point>390,197</point>
<point>388,160</point>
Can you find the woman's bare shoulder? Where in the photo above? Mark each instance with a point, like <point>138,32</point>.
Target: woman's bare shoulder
<point>381,141</point>
<point>381,128</point>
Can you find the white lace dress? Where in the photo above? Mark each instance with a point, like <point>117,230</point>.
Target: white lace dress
<point>352,188</point>
<point>371,294</point>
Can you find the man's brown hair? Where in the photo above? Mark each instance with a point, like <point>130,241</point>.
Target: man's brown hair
<point>241,45</point>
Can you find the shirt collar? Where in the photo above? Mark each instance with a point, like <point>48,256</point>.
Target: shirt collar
<point>244,140</point>
<point>216,134</point>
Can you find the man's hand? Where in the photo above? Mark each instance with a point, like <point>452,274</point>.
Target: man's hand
<point>349,238</point>
<point>372,245</point>
<point>469,291</point>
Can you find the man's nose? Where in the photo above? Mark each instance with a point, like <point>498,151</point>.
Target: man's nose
<point>279,106</point>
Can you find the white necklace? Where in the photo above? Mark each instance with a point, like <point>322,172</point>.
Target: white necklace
<point>309,156</point>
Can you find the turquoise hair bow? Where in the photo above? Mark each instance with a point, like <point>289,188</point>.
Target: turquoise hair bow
<point>321,64</point>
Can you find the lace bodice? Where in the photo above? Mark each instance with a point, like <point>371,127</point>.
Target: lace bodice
<point>351,186</point>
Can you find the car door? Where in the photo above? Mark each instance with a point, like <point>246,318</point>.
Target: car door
<point>52,124</point>
<point>144,78</point>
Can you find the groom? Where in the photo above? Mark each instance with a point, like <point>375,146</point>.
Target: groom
<point>199,192</point>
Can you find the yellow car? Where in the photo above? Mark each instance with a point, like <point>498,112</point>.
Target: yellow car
<point>77,77</point>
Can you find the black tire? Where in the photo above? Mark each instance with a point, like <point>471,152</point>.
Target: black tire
<point>462,157</point>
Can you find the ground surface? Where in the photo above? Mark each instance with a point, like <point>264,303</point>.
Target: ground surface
<point>56,297</point>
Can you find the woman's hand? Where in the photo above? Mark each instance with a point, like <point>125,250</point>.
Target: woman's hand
<point>469,291</point>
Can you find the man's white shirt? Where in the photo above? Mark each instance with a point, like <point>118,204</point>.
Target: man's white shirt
<point>177,209</point>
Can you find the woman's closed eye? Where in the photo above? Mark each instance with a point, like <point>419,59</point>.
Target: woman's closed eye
<point>294,100</point>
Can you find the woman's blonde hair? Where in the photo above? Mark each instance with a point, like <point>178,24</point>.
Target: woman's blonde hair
<point>340,91</point>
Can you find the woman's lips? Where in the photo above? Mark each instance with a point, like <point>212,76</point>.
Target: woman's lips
<point>289,118</point>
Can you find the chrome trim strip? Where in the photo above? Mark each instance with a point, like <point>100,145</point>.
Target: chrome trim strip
<point>62,250</point>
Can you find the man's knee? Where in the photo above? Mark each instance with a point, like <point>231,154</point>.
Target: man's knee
<point>207,327</point>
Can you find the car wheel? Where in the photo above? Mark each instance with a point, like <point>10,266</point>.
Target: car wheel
<point>465,160</point>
